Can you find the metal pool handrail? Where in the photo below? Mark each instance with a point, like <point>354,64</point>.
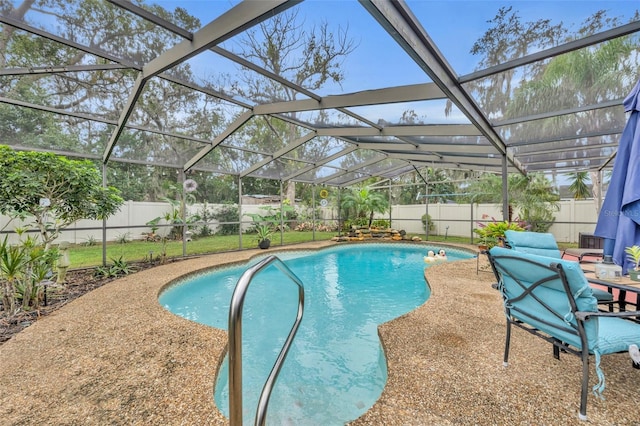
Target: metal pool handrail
<point>235,342</point>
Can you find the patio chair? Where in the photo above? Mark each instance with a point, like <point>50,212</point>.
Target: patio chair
<point>551,298</point>
<point>589,246</point>
<point>544,244</point>
<point>581,253</point>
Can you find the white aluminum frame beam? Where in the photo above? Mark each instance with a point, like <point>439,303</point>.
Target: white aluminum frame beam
<point>22,25</point>
<point>449,159</point>
<point>353,169</point>
<point>234,21</point>
<point>553,114</point>
<point>120,63</point>
<point>390,172</point>
<point>324,180</point>
<point>595,163</point>
<point>61,69</point>
<point>452,148</point>
<point>354,181</point>
<point>394,16</point>
<point>418,130</point>
<point>465,166</point>
<point>566,149</point>
<point>226,54</point>
<point>98,119</point>
<point>136,90</point>
<point>568,160</point>
<point>607,132</point>
<point>409,93</point>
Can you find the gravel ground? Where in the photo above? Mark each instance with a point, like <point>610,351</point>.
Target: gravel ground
<point>115,357</point>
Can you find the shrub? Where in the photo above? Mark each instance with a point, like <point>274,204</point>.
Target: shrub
<point>427,218</point>
<point>381,224</point>
<point>321,227</point>
<point>90,241</point>
<point>50,192</point>
<point>358,222</point>
<point>491,232</point>
<point>24,269</point>
<point>124,238</point>
<point>205,214</point>
<point>227,213</point>
<point>119,268</point>
<point>540,222</point>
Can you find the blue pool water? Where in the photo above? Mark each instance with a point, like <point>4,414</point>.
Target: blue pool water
<point>335,369</point>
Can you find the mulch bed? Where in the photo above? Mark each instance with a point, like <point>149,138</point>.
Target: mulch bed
<point>78,282</point>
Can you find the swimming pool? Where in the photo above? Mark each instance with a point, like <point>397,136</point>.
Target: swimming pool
<point>335,370</point>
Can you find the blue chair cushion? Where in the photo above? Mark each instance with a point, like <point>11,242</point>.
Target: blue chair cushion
<point>616,334</point>
<point>543,244</point>
<point>602,295</point>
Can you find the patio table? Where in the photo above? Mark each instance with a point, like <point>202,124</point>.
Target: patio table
<point>626,293</point>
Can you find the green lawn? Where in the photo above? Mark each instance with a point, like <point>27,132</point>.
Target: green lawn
<point>82,256</point>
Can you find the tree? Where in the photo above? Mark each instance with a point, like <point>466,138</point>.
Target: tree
<point>532,195</point>
<point>580,77</point>
<point>364,203</point>
<point>53,190</point>
<point>439,187</point>
<point>486,189</point>
<point>579,186</point>
<point>536,200</point>
<point>509,38</point>
<point>308,57</point>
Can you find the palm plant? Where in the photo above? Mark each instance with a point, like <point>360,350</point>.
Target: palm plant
<point>364,203</point>
<point>533,195</point>
<point>579,186</point>
<point>633,253</point>
<point>12,262</point>
<point>537,200</point>
<point>23,269</point>
<point>263,232</point>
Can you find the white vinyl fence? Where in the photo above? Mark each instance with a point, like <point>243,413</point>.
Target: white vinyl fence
<point>573,218</point>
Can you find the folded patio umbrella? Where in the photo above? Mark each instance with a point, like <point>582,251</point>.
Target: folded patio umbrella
<point>619,219</point>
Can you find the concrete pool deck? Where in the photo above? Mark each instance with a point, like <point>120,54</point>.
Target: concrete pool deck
<point>115,356</point>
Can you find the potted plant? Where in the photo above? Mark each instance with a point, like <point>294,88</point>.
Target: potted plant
<point>633,254</point>
<point>263,235</point>
<point>486,242</point>
<point>492,233</point>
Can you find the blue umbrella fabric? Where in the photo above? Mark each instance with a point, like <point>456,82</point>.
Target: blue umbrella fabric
<point>619,219</point>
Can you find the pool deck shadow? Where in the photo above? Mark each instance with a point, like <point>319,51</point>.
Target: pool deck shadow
<point>115,356</point>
